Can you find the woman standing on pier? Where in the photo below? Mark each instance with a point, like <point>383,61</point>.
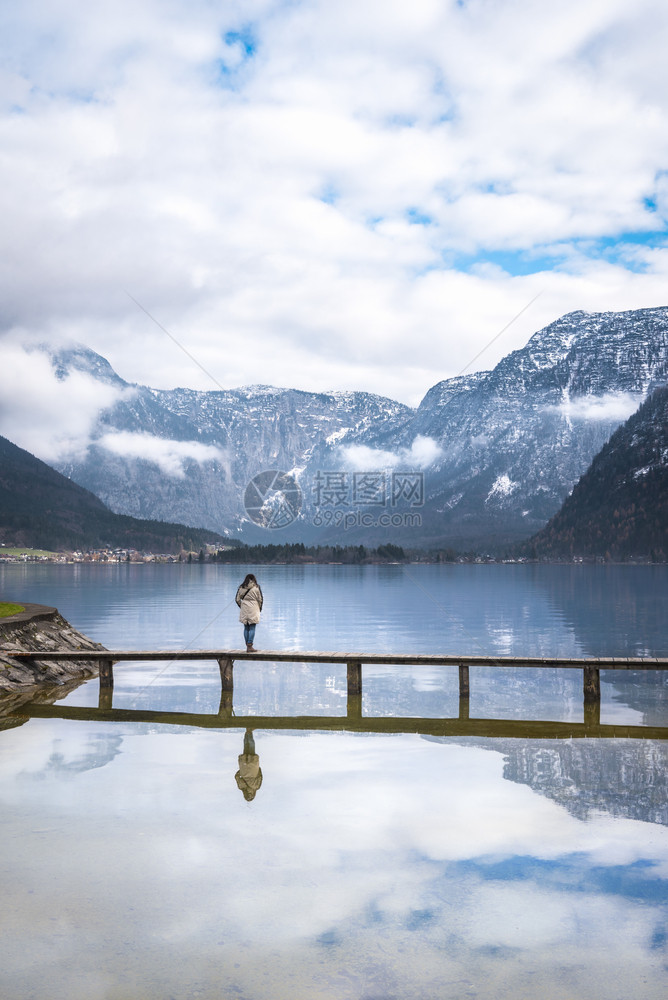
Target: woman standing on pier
<point>249,598</point>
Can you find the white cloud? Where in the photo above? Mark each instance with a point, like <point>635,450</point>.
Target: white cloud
<point>356,190</point>
<point>422,453</point>
<point>611,406</point>
<point>169,455</point>
<point>51,418</point>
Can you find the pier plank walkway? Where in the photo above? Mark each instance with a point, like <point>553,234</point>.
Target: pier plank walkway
<point>298,656</point>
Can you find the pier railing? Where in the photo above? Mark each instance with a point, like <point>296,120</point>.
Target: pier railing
<point>226,658</point>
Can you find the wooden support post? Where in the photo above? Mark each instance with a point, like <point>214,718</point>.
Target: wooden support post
<point>463,691</point>
<point>591,685</point>
<point>106,691</point>
<point>226,665</point>
<point>464,701</point>
<point>106,674</point>
<point>354,677</point>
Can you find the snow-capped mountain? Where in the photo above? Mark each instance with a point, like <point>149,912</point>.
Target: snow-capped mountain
<point>163,453</point>
<point>496,452</point>
<point>515,440</point>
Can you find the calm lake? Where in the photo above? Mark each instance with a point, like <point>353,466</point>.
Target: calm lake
<point>145,861</point>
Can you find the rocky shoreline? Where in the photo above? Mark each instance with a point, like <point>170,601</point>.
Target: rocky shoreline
<point>40,628</point>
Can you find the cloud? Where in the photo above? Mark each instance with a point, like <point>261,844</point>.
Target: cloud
<point>280,184</point>
<point>380,825</point>
<point>422,453</point>
<point>169,455</point>
<point>611,406</point>
<point>50,417</point>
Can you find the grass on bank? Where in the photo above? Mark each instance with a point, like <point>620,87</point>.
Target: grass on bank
<point>6,610</point>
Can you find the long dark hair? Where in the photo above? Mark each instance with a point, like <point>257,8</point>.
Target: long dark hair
<point>249,580</point>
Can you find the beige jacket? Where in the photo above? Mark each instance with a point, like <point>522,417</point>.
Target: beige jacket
<point>250,604</point>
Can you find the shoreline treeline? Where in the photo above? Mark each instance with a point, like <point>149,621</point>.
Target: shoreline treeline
<point>297,552</point>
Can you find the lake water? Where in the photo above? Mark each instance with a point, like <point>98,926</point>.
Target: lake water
<point>365,865</point>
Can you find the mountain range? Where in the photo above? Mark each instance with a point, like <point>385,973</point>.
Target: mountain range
<point>485,459</point>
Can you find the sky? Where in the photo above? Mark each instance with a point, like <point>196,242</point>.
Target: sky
<point>350,195</point>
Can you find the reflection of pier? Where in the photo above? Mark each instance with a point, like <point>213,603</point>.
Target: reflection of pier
<point>354,720</point>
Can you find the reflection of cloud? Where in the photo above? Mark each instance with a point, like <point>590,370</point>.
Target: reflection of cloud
<point>363,858</point>
<point>169,455</point>
<point>531,918</point>
<point>422,453</point>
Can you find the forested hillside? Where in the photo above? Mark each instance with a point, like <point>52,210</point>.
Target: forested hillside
<point>41,508</point>
<point>619,508</point>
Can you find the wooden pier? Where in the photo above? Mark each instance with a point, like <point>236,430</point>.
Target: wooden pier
<point>226,659</point>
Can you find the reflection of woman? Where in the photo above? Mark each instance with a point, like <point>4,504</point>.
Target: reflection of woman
<point>249,598</point>
<point>249,775</point>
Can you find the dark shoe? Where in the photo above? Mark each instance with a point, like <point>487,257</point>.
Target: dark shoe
<point>251,649</point>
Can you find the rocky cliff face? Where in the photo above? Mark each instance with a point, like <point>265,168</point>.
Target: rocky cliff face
<point>39,629</point>
<point>498,451</point>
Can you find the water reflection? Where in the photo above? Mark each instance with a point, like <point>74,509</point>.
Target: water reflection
<point>355,722</point>
<point>631,782</point>
<point>609,608</point>
<point>384,857</point>
<point>372,865</point>
<point>500,610</point>
<point>249,775</point>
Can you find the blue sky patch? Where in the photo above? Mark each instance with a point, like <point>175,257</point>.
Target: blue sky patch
<point>245,40</point>
<point>418,218</point>
<point>619,249</point>
<point>244,37</point>
<point>515,262</point>
<point>614,249</point>
<point>329,194</point>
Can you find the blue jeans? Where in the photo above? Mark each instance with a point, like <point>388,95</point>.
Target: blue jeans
<point>249,634</point>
